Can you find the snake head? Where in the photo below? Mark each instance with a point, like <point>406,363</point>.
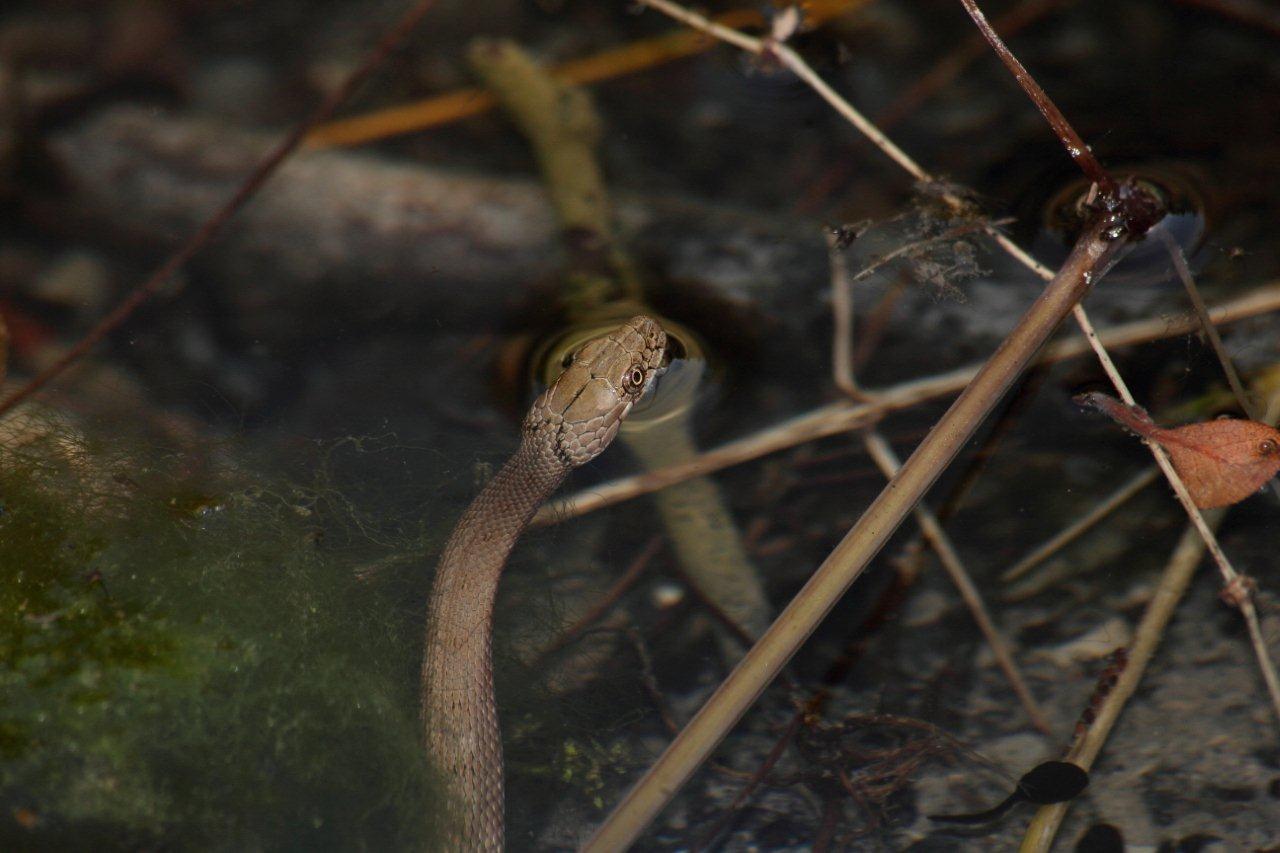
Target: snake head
<point>577,417</point>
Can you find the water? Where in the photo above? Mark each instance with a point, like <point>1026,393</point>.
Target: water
<point>330,382</point>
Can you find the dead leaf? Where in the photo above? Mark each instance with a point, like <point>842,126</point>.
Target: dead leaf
<point>1222,461</point>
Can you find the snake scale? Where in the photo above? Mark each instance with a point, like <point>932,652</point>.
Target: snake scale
<point>568,425</point>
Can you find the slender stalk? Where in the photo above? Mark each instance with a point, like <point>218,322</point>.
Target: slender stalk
<point>1087,261</point>
<point>884,457</point>
<point>802,69</point>
<point>887,461</point>
<point>842,321</point>
<point>1179,261</point>
<point>1075,146</point>
<point>1078,528</point>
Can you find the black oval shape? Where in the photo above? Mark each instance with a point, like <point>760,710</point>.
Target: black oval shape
<point>1101,838</point>
<point>1053,782</point>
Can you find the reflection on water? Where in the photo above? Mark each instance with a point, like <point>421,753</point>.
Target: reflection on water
<point>1064,214</point>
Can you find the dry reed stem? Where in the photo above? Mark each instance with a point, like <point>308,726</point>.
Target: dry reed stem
<point>1087,261</point>
<point>1179,261</point>
<point>1168,594</point>
<point>1080,526</point>
<point>887,461</point>
<point>843,416</point>
<point>842,321</point>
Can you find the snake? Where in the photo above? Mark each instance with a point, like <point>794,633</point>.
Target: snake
<point>568,425</point>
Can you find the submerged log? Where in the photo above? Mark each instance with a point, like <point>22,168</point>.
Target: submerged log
<point>339,237</point>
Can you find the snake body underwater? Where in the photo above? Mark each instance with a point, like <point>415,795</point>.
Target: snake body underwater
<point>568,425</point>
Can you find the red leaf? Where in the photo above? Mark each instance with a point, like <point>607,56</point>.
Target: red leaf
<point>1222,462</point>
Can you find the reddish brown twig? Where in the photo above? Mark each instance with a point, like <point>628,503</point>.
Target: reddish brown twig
<point>1074,144</point>
<point>1133,418</point>
<point>766,766</point>
<point>609,599</point>
<point>197,241</point>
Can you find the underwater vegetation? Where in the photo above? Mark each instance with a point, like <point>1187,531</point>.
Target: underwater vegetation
<point>184,660</point>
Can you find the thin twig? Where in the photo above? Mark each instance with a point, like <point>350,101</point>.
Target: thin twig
<point>391,40</point>
<point>1179,261</point>
<point>463,103</point>
<point>1243,398</point>
<point>608,64</point>
<point>792,60</point>
<point>801,69</point>
<point>708,26</point>
<point>884,457</point>
<point>1077,528</point>
<point>887,461</point>
<point>650,681</point>
<point>1087,261</point>
<point>770,761</point>
<point>1075,145</point>
<point>877,322</point>
<point>842,322</point>
<point>607,601</point>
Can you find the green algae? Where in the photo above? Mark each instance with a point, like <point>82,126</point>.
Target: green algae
<point>184,663</point>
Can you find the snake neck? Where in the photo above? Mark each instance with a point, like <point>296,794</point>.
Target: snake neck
<point>458,711</point>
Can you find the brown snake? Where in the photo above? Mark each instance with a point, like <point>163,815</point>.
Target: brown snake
<point>568,425</point>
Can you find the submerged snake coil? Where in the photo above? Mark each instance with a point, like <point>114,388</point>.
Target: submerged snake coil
<point>568,425</point>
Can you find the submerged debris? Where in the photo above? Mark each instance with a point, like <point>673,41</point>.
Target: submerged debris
<point>1222,462</point>
<point>183,665</point>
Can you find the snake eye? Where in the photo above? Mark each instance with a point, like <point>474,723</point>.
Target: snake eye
<point>1268,447</point>
<point>634,380</point>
